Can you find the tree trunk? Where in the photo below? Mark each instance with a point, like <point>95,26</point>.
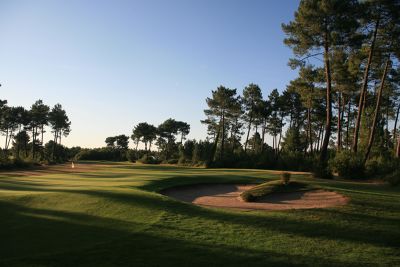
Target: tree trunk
<point>324,148</point>
<point>214,148</point>
<point>255,141</point>
<point>223,136</point>
<point>5,145</point>
<point>280,137</point>
<point>348,123</point>
<point>273,143</point>
<point>33,142</point>
<point>398,148</point>
<point>26,148</point>
<point>363,90</point>
<point>387,136</point>
<point>234,129</point>
<point>42,130</point>
<point>310,141</point>
<point>377,107</point>
<point>321,134</point>
<point>18,149</point>
<point>395,124</point>
<point>54,144</point>
<point>339,123</point>
<point>263,135</point>
<point>248,133</point>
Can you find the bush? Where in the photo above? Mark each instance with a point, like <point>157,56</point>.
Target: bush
<point>131,155</point>
<point>9,164</point>
<point>348,165</point>
<point>149,160</point>
<point>381,166</point>
<point>172,161</point>
<point>321,170</point>
<point>248,197</point>
<point>394,178</point>
<point>262,190</point>
<point>285,177</point>
<point>101,154</point>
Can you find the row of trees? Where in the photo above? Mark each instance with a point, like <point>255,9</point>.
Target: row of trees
<point>344,102</point>
<point>358,44</point>
<point>24,130</point>
<point>342,110</point>
<point>164,136</point>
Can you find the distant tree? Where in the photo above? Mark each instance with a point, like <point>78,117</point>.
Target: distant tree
<point>167,132</point>
<point>110,141</point>
<point>9,124</point>
<point>21,140</point>
<point>275,121</point>
<point>234,118</point>
<point>60,124</point>
<point>144,132</point>
<point>122,141</point>
<point>294,141</point>
<point>252,101</point>
<point>183,130</point>
<point>220,105</point>
<point>38,113</point>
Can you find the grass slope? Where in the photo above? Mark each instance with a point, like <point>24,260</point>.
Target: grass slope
<point>264,189</point>
<point>111,214</point>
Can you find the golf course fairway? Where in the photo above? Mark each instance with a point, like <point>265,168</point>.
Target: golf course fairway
<point>108,214</point>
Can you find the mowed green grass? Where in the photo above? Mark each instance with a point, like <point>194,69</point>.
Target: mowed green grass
<point>112,215</point>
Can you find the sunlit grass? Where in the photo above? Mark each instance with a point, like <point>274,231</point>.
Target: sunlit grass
<point>111,214</point>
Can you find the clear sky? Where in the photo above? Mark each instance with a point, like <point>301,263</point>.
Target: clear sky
<point>113,64</point>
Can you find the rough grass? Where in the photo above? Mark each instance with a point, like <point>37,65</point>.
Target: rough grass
<point>112,215</point>
<point>265,189</point>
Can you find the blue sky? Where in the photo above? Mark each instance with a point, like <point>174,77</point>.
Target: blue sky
<point>113,64</point>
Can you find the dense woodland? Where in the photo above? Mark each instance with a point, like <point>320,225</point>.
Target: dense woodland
<point>24,130</point>
<point>340,115</point>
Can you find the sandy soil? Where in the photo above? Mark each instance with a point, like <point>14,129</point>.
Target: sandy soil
<point>227,196</point>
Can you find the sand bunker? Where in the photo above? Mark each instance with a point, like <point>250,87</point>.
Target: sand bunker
<point>227,196</point>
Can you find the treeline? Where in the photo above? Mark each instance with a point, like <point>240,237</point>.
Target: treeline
<point>168,137</point>
<point>23,131</point>
<point>357,84</point>
<point>339,115</point>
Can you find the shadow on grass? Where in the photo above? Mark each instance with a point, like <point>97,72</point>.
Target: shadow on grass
<point>161,184</point>
<point>330,227</point>
<point>50,237</point>
<point>59,238</point>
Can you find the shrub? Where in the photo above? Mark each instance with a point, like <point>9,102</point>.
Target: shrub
<point>101,154</point>
<point>149,160</point>
<point>172,161</point>
<point>348,165</point>
<point>248,197</point>
<point>394,178</point>
<point>262,190</point>
<point>8,164</point>
<point>131,155</point>
<point>321,170</point>
<point>285,177</point>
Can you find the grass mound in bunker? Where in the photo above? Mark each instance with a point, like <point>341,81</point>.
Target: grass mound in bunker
<point>262,190</point>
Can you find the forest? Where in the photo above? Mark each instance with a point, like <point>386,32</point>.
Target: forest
<point>339,116</point>
<point>24,130</point>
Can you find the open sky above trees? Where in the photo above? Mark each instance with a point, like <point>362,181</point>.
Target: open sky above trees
<point>116,65</point>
